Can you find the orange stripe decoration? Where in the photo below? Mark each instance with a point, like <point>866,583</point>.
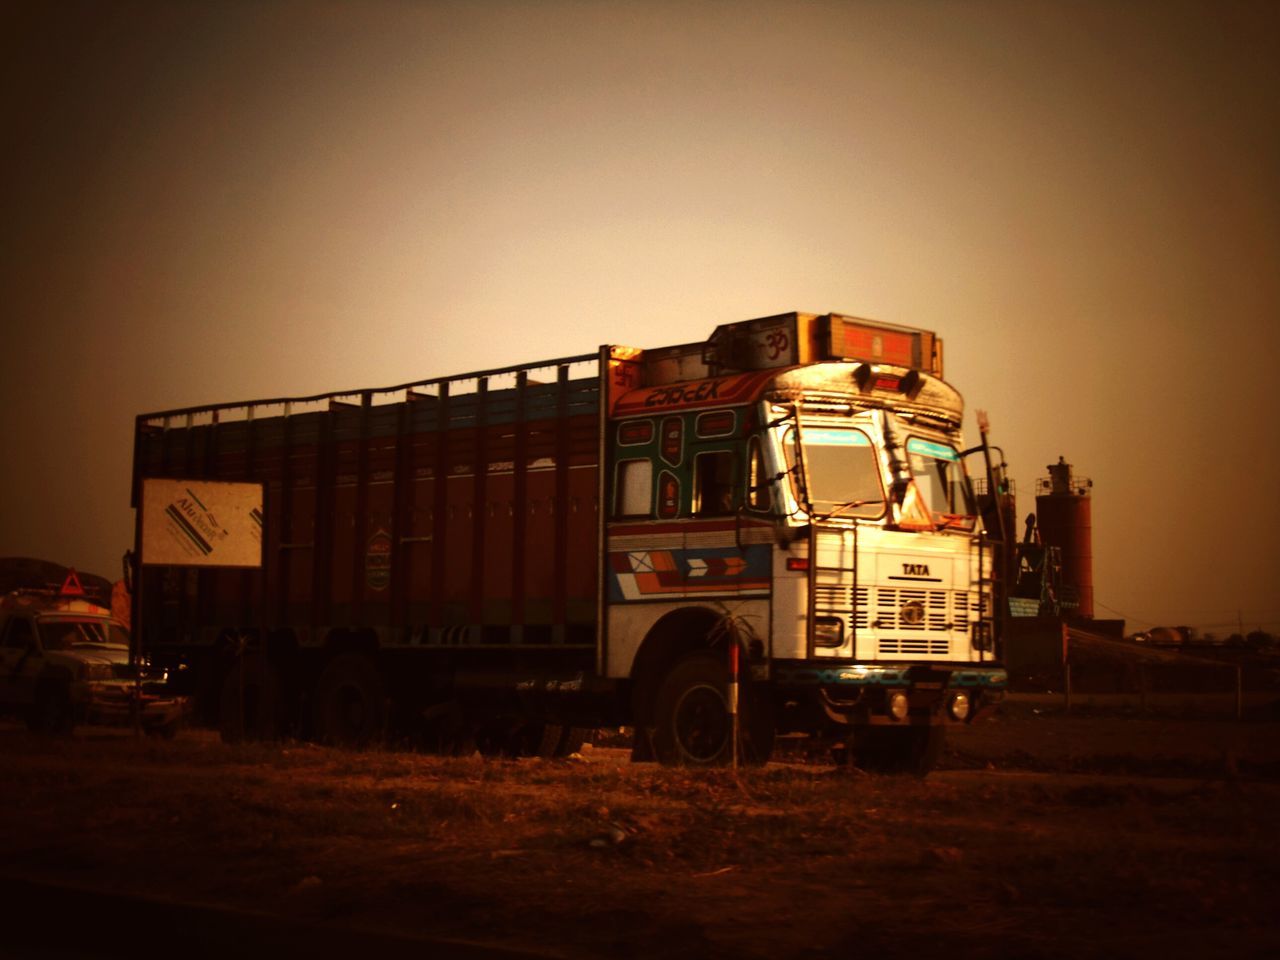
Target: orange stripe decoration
<point>660,574</point>
<point>733,390</point>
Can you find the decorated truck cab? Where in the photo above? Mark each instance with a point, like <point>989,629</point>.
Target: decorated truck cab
<point>819,507</point>
<point>768,532</point>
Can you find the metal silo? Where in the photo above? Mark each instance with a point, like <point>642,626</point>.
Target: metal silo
<point>1064,517</point>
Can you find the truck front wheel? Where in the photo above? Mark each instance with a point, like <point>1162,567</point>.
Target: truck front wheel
<point>694,726</point>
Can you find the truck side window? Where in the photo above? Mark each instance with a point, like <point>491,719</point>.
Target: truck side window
<point>759,495</point>
<point>713,484</point>
<point>635,488</point>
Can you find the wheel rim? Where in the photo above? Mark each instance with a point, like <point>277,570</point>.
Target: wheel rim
<point>701,723</point>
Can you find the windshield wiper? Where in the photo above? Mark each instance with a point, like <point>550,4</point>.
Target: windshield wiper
<point>849,505</point>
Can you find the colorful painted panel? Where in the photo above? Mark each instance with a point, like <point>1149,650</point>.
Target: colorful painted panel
<point>663,574</point>
<point>691,394</point>
<point>672,448</point>
<point>668,495</point>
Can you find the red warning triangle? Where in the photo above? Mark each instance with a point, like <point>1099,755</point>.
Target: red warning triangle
<point>71,586</point>
<point>914,515</point>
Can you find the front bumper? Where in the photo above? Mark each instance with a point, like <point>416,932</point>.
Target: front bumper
<point>864,693</point>
<point>112,703</point>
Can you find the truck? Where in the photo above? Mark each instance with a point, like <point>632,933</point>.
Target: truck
<point>770,532</point>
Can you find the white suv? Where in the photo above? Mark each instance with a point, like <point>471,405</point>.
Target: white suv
<point>66,661</point>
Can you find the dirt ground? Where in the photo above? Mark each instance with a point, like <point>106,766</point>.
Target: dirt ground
<point>1041,835</point>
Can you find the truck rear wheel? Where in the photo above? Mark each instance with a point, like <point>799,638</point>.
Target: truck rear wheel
<point>694,726</point>
<point>911,750</point>
<point>351,704</point>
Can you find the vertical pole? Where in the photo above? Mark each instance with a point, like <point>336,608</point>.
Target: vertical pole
<point>326,480</point>
<point>362,524</point>
<point>133,573</point>
<point>264,616</point>
<point>247,586</point>
<point>1000,595</point>
<point>603,506</point>
<point>133,569</point>
<point>439,508</point>
<point>401,491</point>
<point>560,543</point>
<point>1239,692</point>
<point>519,508</point>
<point>480,511</point>
<point>1066,670</point>
<point>240,651</point>
<point>286,527</point>
<point>733,698</point>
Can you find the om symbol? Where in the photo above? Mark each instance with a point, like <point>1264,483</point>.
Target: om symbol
<point>776,342</point>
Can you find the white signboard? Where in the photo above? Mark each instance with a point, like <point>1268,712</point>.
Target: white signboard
<point>201,523</point>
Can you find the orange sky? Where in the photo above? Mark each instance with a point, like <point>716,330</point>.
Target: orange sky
<point>217,201</point>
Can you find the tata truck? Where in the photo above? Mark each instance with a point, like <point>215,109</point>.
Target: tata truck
<point>768,532</point>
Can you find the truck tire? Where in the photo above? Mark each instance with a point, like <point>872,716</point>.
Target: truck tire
<point>51,713</point>
<point>248,708</point>
<point>910,750</point>
<point>694,727</point>
<point>350,702</point>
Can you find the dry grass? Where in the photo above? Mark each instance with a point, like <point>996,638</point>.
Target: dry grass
<point>1049,836</point>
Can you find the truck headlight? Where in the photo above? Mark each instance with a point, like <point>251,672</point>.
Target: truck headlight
<point>828,632</point>
<point>958,705</point>
<point>898,705</point>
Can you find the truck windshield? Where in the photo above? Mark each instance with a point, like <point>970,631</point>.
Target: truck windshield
<point>940,478</point>
<point>62,634</point>
<point>842,471</point>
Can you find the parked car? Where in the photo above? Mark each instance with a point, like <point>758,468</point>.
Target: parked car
<point>65,660</point>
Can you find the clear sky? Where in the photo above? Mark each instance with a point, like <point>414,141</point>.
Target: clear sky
<point>212,201</point>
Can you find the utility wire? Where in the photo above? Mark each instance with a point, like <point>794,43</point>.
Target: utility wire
<point>1124,616</point>
<point>1250,623</point>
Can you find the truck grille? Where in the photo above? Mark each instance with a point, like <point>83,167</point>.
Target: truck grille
<point>924,611</point>
<point>919,622</point>
<point>898,609</point>
<point>842,601</point>
<point>915,647</point>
